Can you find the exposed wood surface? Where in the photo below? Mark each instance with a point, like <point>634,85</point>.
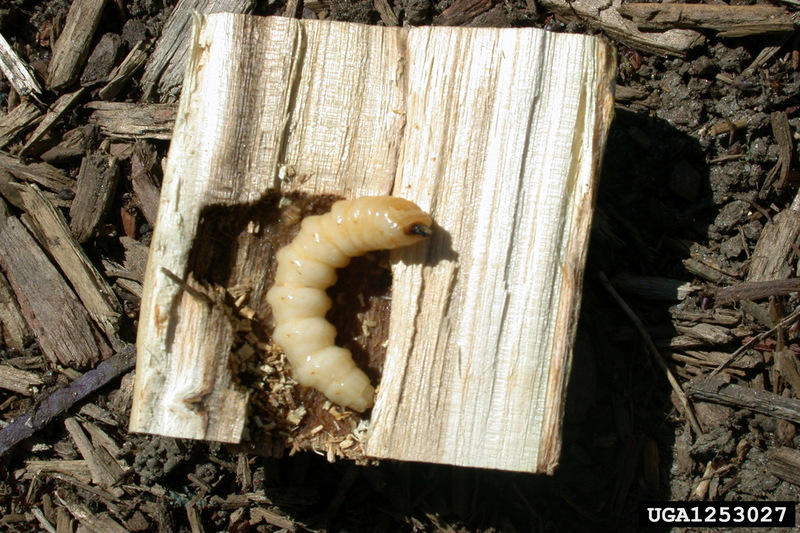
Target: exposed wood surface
<point>729,21</point>
<point>16,71</point>
<point>132,121</point>
<point>165,67</point>
<point>50,307</point>
<point>144,179</point>
<point>74,44</point>
<point>771,259</point>
<point>60,400</point>
<point>606,15</point>
<point>480,338</point>
<point>97,183</point>
<point>92,288</point>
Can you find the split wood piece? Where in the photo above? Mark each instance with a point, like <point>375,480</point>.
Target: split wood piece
<point>15,332</point>
<point>482,318</point>
<point>73,45</point>
<point>462,12</point>
<point>134,121</point>
<point>44,174</point>
<point>59,401</point>
<point>728,21</point>
<point>91,287</point>
<point>606,16</point>
<point>91,521</point>
<point>135,60</point>
<point>773,256</point>
<point>19,381</point>
<point>718,391</point>
<point>16,71</point>
<point>757,290</point>
<point>163,73</point>
<point>52,310</point>
<point>75,468</point>
<point>105,471</point>
<point>784,463</point>
<point>145,173</point>
<point>54,114</point>
<point>97,183</point>
<point>23,117</point>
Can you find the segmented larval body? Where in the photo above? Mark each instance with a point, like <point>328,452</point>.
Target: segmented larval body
<point>307,267</point>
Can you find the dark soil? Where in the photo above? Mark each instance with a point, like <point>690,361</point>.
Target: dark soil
<point>684,175</point>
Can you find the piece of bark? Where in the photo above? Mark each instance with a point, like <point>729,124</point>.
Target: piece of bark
<point>73,45</point>
<point>54,114</point>
<point>606,16</point>
<point>123,72</point>
<point>93,290</point>
<point>717,391</point>
<point>145,174</point>
<point>728,21</point>
<point>133,121</point>
<point>15,331</point>
<point>102,60</point>
<point>97,183</point>
<point>23,117</point>
<point>62,399</point>
<point>52,310</point>
<point>707,333</point>
<point>44,174</point>
<point>784,463</point>
<point>163,73</point>
<point>455,367</point>
<point>19,381</point>
<point>16,71</point>
<point>757,290</point>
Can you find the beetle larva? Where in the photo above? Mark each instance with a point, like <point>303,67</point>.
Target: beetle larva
<point>307,266</point>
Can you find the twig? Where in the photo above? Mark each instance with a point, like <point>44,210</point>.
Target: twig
<point>62,399</point>
<point>655,353</point>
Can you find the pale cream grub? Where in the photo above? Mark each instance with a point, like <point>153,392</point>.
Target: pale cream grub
<point>307,267</point>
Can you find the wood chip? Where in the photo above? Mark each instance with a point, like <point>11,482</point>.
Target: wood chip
<point>90,286</point>
<point>605,15</point>
<point>757,290</point>
<point>134,121</point>
<point>44,174</point>
<point>76,468</point>
<point>761,401</point>
<point>24,116</point>
<point>19,381</point>
<point>50,306</point>
<point>53,116</point>
<point>728,20</point>
<point>165,67</point>
<point>124,71</point>
<point>784,463</point>
<point>73,45</point>
<point>17,71</point>
<point>105,471</point>
<point>14,328</point>
<point>97,183</point>
<point>145,173</point>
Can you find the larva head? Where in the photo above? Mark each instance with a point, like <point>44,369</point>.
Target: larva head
<point>393,222</point>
